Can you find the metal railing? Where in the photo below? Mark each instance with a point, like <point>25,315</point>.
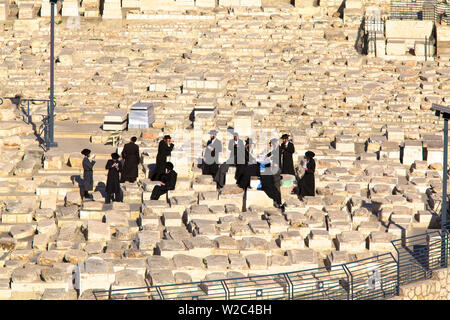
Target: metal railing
<point>24,105</point>
<point>377,277</point>
<point>420,10</point>
<point>418,255</point>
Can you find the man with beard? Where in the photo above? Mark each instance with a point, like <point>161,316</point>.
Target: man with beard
<point>287,149</point>
<point>211,154</point>
<point>165,148</point>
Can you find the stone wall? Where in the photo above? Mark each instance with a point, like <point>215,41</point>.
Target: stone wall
<point>436,288</point>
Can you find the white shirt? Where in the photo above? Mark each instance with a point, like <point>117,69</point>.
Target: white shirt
<point>212,142</point>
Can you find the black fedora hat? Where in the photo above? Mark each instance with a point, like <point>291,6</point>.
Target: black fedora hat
<point>310,154</point>
<point>169,165</point>
<point>115,155</point>
<point>167,137</point>
<point>285,136</point>
<point>85,152</point>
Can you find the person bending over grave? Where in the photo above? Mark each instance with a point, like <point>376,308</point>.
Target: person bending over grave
<point>131,158</point>
<point>165,148</point>
<point>270,175</point>
<point>307,183</point>
<point>114,167</point>
<point>168,182</point>
<point>287,149</point>
<point>211,154</point>
<point>88,175</point>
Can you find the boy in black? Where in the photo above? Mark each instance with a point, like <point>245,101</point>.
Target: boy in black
<point>168,182</point>
<point>114,167</point>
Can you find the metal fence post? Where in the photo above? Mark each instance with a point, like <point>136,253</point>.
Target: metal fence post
<point>290,286</point>
<point>444,197</point>
<point>375,42</point>
<point>227,291</point>
<point>28,113</point>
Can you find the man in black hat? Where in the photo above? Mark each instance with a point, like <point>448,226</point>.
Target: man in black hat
<point>131,158</point>
<point>211,154</point>
<point>287,149</point>
<point>165,148</point>
<point>237,153</point>
<point>88,173</point>
<point>275,157</point>
<point>245,171</point>
<point>168,182</point>
<point>307,183</point>
<point>270,175</point>
<point>114,167</point>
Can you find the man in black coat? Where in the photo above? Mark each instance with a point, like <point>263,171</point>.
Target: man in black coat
<point>287,149</point>
<point>165,148</point>
<point>249,168</point>
<point>131,158</point>
<point>168,182</point>
<point>270,175</point>
<point>114,167</point>
<point>88,173</point>
<point>211,154</point>
<point>237,153</point>
<point>307,183</point>
<point>275,157</point>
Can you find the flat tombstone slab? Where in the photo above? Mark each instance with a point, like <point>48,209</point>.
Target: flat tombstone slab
<point>408,29</point>
<point>226,242</point>
<point>305,3</point>
<point>182,277</point>
<point>351,241</point>
<point>115,120</point>
<point>185,262</point>
<point>98,231</point>
<point>160,277</point>
<point>237,261</point>
<point>159,262</point>
<point>257,261</point>
<point>395,47</point>
<point>305,257</point>
<point>128,278</point>
<point>217,262</point>
<point>258,197</point>
<point>21,231</point>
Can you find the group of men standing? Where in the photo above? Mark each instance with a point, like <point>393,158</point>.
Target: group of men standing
<point>118,171</point>
<point>269,167</point>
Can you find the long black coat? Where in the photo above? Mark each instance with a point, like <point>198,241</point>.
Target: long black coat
<point>130,154</point>
<point>164,151</point>
<point>112,182</point>
<point>245,171</point>
<point>170,180</point>
<point>307,183</point>
<point>212,157</point>
<point>236,152</point>
<point>287,164</point>
<point>88,175</point>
